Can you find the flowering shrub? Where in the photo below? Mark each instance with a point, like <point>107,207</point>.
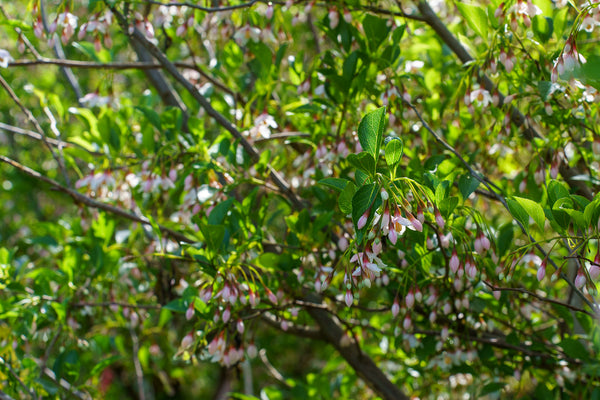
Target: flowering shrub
<point>301,199</point>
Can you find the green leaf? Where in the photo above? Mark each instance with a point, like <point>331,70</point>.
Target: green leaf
<point>476,17</point>
<point>505,239</point>
<point>349,68</point>
<point>219,212</point>
<point>370,131</point>
<point>376,30</point>
<point>492,387</point>
<point>531,209</point>
<point>556,190</point>
<point>545,89</point>
<point>179,305</point>
<point>363,200</point>
<point>363,161</point>
<point>574,348</point>
<point>345,199</point>
<point>338,184</point>
<point>393,151</point>
<point>589,72</point>
<point>99,367</point>
<point>542,27</point>
<point>467,184</point>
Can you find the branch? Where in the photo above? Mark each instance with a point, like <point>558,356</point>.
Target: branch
<point>358,360</point>
<point>430,18</point>
<point>294,329</point>
<point>139,38</point>
<point>37,126</point>
<point>488,184</point>
<point>81,198</point>
<point>539,297</point>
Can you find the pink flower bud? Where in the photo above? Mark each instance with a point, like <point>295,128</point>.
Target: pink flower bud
<point>432,317</point>
<point>541,272</point>
<point>580,279</point>
<point>347,16</point>
<point>418,296</point>
<point>395,308</point>
<point>496,294</point>
<point>334,18</point>
<point>189,314</point>
<point>454,261</point>
<point>362,221</point>
<point>240,326</point>
<point>269,12</point>
<point>439,220</point>
<point>349,298</point>
<point>226,314</point>
<point>271,296</point>
<point>410,299</point>
<point>187,340</point>
<point>594,272</point>
<point>251,350</point>
<point>407,323</point>
<point>414,222</point>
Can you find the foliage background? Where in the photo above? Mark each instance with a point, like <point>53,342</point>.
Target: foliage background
<point>186,190</point>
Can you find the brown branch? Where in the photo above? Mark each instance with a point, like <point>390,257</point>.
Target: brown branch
<point>37,126</point>
<point>83,199</point>
<point>539,297</point>
<point>141,40</point>
<point>118,303</point>
<point>431,19</point>
<point>358,360</point>
<point>294,329</point>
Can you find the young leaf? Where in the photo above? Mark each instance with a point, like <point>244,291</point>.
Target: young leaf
<point>393,151</point>
<point>363,161</point>
<point>370,131</point>
<point>467,185</point>
<point>345,199</point>
<point>533,209</point>
<point>363,199</point>
<point>476,17</point>
<point>338,184</point>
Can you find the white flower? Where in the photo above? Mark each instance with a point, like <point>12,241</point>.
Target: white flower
<point>482,97</point>
<point>247,33</point>
<point>413,67</point>
<point>262,126</point>
<point>93,100</point>
<point>5,58</point>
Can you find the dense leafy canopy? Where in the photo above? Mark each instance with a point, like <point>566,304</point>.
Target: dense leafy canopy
<point>274,200</point>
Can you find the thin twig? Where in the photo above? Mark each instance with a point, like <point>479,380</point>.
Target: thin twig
<point>139,373</point>
<point>271,369</point>
<point>488,184</point>
<point>81,198</point>
<point>141,39</point>
<point>539,297</point>
<point>37,126</point>
<point>29,390</point>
